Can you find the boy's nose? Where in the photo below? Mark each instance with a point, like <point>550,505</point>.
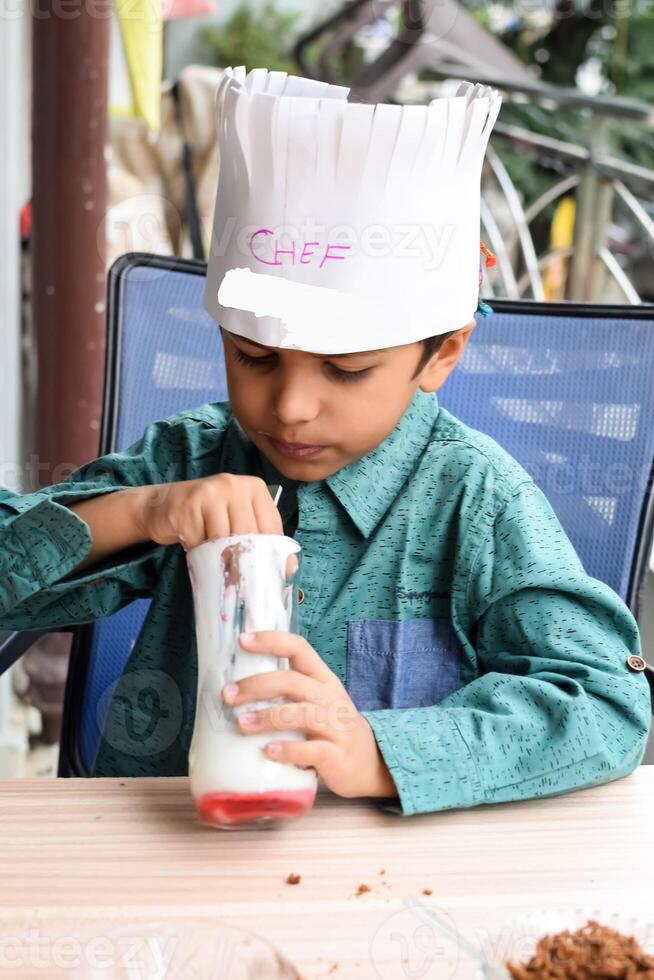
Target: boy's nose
<point>295,402</point>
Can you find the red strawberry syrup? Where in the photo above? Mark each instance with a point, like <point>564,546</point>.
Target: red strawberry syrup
<point>232,809</point>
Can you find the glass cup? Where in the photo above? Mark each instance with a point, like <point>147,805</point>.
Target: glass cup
<point>243,583</point>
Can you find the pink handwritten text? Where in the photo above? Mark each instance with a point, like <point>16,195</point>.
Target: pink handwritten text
<point>301,253</point>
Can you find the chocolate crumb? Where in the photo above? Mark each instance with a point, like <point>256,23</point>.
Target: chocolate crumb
<point>362,889</point>
<point>426,891</point>
<point>590,953</point>
<point>293,879</point>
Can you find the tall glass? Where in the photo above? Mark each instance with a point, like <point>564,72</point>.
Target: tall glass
<point>243,583</point>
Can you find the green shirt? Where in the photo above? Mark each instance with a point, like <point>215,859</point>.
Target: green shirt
<point>439,586</point>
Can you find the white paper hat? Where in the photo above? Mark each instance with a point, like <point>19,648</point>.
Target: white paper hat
<point>344,226</point>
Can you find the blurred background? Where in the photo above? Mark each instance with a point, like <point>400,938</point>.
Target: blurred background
<point>107,121</point>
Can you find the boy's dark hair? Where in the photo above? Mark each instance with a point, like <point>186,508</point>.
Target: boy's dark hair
<point>429,347</point>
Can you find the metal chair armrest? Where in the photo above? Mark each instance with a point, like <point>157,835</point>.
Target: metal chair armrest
<point>14,645</point>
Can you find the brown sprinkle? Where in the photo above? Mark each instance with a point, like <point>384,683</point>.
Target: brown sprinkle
<point>594,952</point>
<point>426,891</point>
<point>362,889</point>
<point>293,879</point>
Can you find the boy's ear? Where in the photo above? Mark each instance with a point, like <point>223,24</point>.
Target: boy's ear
<point>446,358</point>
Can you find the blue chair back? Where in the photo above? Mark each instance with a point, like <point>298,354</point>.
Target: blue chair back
<point>164,355</point>
<point>567,390</point>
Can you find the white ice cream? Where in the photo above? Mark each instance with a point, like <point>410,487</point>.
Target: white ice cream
<point>252,577</point>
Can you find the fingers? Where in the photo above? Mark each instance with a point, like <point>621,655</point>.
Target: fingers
<point>295,648</point>
<point>242,517</point>
<point>195,511</point>
<point>254,512</point>
<point>317,720</point>
<point>314,752</point>
<point>218,507</point>
<point>196,524</point>
<point>216,522</point>
<point>273,684</point>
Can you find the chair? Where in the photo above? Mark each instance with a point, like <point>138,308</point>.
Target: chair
<point>567,389</point>
<point>164,354</point>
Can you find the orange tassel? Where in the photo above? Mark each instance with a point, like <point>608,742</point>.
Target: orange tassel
<point>491,261</point>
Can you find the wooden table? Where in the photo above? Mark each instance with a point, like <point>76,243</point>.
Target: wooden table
<point>120,849</point>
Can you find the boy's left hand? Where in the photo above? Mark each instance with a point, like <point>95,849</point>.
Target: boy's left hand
<point>340,743</point>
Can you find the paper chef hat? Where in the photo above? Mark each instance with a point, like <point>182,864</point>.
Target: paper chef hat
<point>343,226</point>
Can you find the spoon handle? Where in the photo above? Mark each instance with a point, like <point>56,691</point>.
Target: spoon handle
<point>491,971</point>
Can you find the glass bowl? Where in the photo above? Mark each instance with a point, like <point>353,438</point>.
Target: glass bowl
<point>70,945</point>
<point>517,938</point>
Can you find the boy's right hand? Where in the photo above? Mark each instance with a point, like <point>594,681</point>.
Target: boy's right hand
<point>193,511</point>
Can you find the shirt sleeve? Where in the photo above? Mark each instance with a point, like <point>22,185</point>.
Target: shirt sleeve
<point>555,706</point>
<point>42,541</point>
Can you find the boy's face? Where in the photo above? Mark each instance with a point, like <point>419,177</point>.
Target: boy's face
<point>312,414</point>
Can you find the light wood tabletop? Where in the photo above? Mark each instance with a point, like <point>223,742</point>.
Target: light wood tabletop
<point>122,851</point>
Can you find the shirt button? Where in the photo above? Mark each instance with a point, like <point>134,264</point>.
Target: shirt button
<point>300,598</point>
<point>636,663</point>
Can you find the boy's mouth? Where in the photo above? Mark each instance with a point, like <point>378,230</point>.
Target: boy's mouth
<point>293,450</point>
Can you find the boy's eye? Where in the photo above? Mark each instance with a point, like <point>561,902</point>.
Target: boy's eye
<point>248,359</point>
<point>348,375</point>
<point>267,359</point>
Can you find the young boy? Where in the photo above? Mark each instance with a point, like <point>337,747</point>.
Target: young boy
<point>453,651</point>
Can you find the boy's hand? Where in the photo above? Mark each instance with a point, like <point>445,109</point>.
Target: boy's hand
<point>340,744</point>
<point>193,511</point>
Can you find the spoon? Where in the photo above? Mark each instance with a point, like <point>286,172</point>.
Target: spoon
<point>275,495</point>
<point>492,971</point>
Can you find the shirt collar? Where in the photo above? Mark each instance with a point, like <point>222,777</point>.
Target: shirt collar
<point>367,487</point>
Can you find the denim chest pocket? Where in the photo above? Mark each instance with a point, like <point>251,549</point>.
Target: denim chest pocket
<point>407,664</point>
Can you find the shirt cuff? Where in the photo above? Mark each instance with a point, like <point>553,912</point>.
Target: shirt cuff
<point>428,758</point>
<point>53,538</point>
